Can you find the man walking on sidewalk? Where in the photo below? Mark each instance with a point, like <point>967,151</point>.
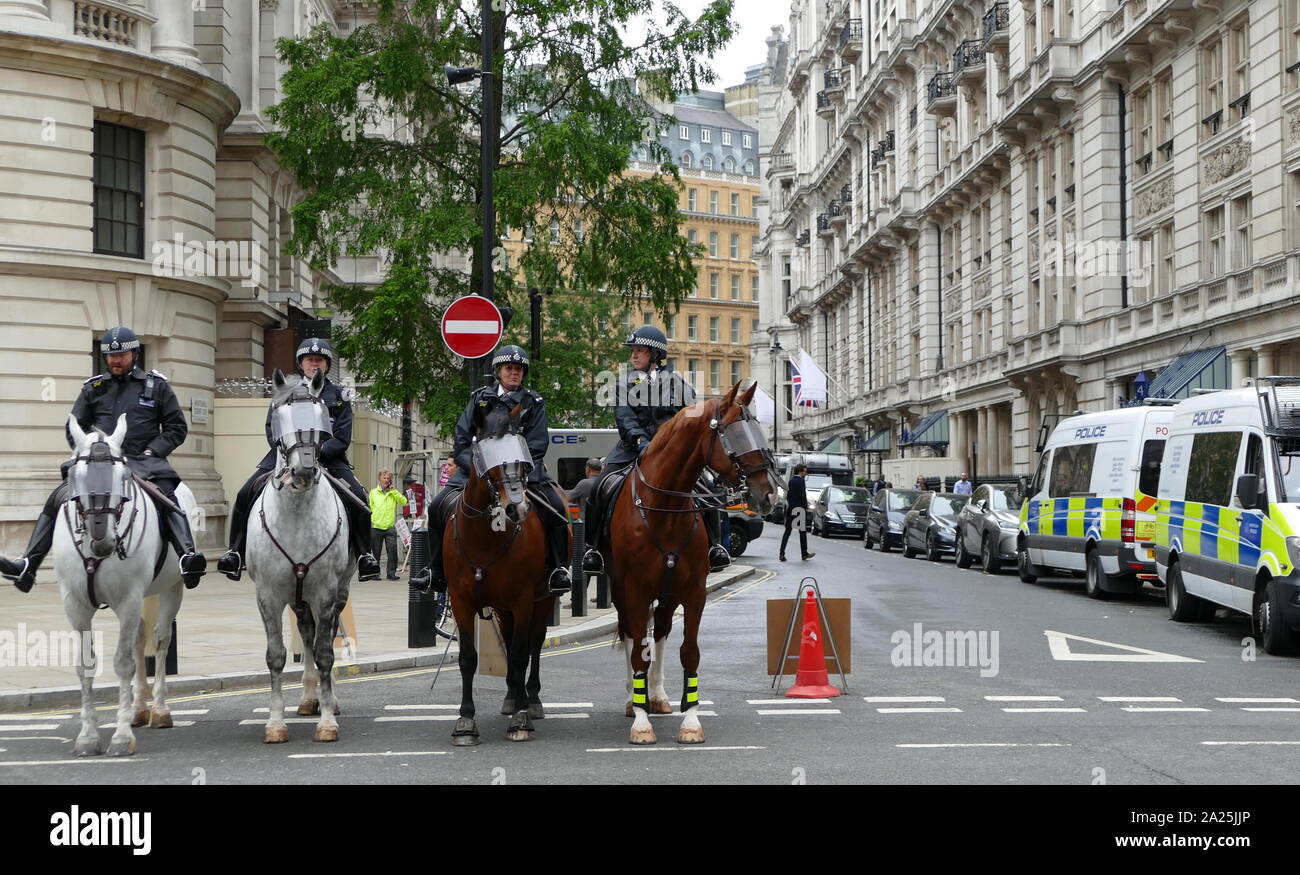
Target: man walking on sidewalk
<point>384,502</point>
<point>796,509</point>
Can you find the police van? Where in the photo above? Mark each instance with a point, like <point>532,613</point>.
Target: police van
<point>1090,507</point>
<point>570,449</point>
<point>1228,522</point>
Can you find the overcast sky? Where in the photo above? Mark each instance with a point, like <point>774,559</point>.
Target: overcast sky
<point>747,48</point>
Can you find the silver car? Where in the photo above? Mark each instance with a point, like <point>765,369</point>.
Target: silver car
<point>987,527</point>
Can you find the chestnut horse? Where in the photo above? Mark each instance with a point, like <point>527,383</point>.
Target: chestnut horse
<point>494,555</point>
<point>658,547</point>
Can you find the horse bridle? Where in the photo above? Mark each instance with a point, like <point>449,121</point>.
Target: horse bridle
<point>306,441</point>
<point>483,467</point>
<point>100,453</point>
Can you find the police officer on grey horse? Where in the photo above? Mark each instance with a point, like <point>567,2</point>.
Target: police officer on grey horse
<point>652,394</point>
<point>313,354</point>
<point>510,365</point>
<point>155,427</point>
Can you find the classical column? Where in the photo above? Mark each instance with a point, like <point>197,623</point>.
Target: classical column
<point>1264,361</point>
<point>26,16</point>
<point>982,440</point>
<point>957,446</point>
<point>173,33</point>
<point>1240,362</point>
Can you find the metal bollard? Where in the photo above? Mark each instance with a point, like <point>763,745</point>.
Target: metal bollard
<point>421,608</point>
<point>578,595</point>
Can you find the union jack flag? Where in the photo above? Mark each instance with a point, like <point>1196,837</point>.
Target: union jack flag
<point>796,383</point>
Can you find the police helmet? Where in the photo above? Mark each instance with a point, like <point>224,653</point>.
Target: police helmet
<point>118,340</point>
<point>651,337</point>
<point>315,346</point>
<point>510,355</point>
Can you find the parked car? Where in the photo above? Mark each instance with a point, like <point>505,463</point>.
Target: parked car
<point>746,525</point>
<point>930,525</point>
<point>840,510</point>
<point>988,527</point>
<point>885,514</point>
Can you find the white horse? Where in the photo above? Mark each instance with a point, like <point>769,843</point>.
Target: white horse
<point>298,554</point>
<point>109,552</point>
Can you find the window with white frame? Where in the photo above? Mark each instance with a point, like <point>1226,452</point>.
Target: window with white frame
<point>693,369</point>
<point>713,329</point>
<point>691,199</point>
<point>753,246</point>
<point>692,331</point>
<point>735,204</point>
<point>1241,246</point>
<point>672,326</point>
<point>1165,278</point>
<point>715,280</point>
<point>1239,82</point>
<point>1143,129</point>
<point>726,138</point>
<point>647,318</point>
<point>735,287</point>
<point>714,367</point>
<point>1291,57</point>
<point>1212,87</point>
<point>707,161</point>
<point>683,132</point>
<point>746,141</point>
<point>713,244</point>
<point>555,230</point>
<point>706,135</point>
<point>753,286</point>
<point>735,329</point>
<point>1213,260</point>
<point>753,207</point>
<point>1164,116</point>
<point>1031,204</point>
<point>735,372</point>
<point>687,160</point>
<point>1142,283</point>
<point>735,246</point>
<point>713,202</point>
<point>787,282</point>
<point>1049,163</point>
<point>579,231</point>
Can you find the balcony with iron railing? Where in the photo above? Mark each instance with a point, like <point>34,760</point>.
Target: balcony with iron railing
<point>825,107</point>
<point>941,93</point>
<point>836,213</point>
<point>851,39</point>
<point>824,228</point>
<point>888,142</point>
<point>833,80</point>
<point>846,193</point>
<point>997,27</point>
<point>877,155</point>
<point>968,61</point>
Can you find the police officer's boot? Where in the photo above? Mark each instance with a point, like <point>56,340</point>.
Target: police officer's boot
<point>367,564</point>
<point>593,522</point>
<point>557,546</point>
<point>231,563</point>
<point>22,571</point>
<point>719,558</point>
<point>176,529</point>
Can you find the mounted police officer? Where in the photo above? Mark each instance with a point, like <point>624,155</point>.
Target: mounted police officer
<point>652,395</point>
<point>313,354</point>
<point>510,366</point>
<point>155,426</point>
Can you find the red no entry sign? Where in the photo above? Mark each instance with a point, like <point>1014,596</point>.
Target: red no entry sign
<point>471,326</point>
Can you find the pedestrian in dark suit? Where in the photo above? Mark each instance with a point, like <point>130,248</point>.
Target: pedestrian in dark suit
<point>796,499</point>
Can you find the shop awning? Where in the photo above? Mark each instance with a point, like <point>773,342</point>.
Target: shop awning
<point>932,431</point>
<point>831,445</point>
<point>1203,369</point>
<point>877,443</point>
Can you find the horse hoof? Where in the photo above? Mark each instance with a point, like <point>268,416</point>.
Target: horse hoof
<point>642,736</point>
<point>519,735</point>
<point>465,732</point>
<point>121,747</point>
<point>275,735</point>
<point>160,719</point>
<point>661,706</point>
<point>308,708</point>
<point>536,711</point>
<point>690,736</point>
<point>326,733</point>
<point>140,719</point>
<point>507,707</point>
<point>88,747</point>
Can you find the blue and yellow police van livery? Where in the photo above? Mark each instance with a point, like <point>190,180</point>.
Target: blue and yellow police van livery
<point>1228,519</point>
<point>1090,507</point>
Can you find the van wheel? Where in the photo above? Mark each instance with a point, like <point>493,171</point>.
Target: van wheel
<point>1027,570</point>
<point>1183,608</point>
<point>1273,633</point>
<point>964,559</point>
<point>989,557</point>
<point>1093,575</point>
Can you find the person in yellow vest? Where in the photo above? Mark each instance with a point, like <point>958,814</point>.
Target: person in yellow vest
<point>384,502</point>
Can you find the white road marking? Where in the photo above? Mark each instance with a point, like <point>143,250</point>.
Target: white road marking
<point>26,727</point>
<point>1023,699</point>
<point>1270,709</point>
<point>787,701</point>
<point>1139,698</point>
<point>386,753</point>
<point>1144,709</point>
<point>175,723</point>
<point>677,747</point>
<point>901,699</point>
<point>405,718</point>
<point>569,716</point>
<point>80,761</point>
<point>256,722</point>
<point>1277,701</point>
<point>416,707</point>
<point>673,714</point>
<point>919,710</point>
<point>287,709</point>
<point>1045,710</point>
<point>765,712</point>
<point>35,738</point>
<point>988,744</point>
<point>194,712</point>
<point>575,704</point>
<point>1219,743</point>
<point>1058,643</point>
<point>48,717</point>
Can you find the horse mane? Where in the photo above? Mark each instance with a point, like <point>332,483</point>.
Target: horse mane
<point>678,422</point>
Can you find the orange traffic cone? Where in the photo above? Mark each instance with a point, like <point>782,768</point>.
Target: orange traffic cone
<point>811,681</point>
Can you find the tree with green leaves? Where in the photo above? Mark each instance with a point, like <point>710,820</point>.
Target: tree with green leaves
<point>388,154</point>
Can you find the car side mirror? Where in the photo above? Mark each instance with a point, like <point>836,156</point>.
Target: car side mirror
<point>1248,491</point>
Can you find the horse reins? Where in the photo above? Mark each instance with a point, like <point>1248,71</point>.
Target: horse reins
<point>300,569</point>
<point>89,563</point>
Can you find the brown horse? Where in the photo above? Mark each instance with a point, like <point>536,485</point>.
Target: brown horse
<point>658,547</point>
<point>494,555</point>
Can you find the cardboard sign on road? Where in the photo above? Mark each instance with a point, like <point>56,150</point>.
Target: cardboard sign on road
<point>778,623</point>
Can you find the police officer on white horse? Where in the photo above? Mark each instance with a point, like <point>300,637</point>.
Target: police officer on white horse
<point>314,354</point>
<point>652,395</point>
<point>510,365</point>
<point>155,427</point>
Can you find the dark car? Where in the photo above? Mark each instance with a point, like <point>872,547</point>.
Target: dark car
<point>840,510</point>
<point>885,515</point>
<point>930,525</point>
<point>987,527</point>
<point>746,525</point>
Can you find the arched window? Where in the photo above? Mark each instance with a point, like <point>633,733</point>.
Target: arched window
<point>707,162</point>
<point>749,168</point>
<point>729,165</point>
<point>687,160</point>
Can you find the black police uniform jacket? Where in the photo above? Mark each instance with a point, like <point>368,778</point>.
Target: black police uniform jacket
<point>642,406</point>
<point>532,423</point>
<point>154,419</point>
<point>334,452</point>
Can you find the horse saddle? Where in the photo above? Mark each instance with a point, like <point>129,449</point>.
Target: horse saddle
<point>610,487</point>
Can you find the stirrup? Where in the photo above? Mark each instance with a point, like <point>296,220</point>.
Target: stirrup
<point>718,558</point>
<point>367,567</point>
<point>560,581</point>
<point>25,577</point>
<point>592,561</point>
<point>193,566</point>
<point>231,564</point>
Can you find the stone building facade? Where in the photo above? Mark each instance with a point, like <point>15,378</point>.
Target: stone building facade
<point>986,214</point>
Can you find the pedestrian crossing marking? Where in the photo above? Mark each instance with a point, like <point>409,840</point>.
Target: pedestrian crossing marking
<point>256,722</point>
<point>787,701</point>
<point>1045,710</point>
<point>901,699</point>
<point>1023,699</point>
<point>26,727</point>
<point>767,712</point>
<point>919,710</point>
<point>1058,644</point>
<point>1145,709</point>
<point>1139,698</point>
<point>1263,701</point>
